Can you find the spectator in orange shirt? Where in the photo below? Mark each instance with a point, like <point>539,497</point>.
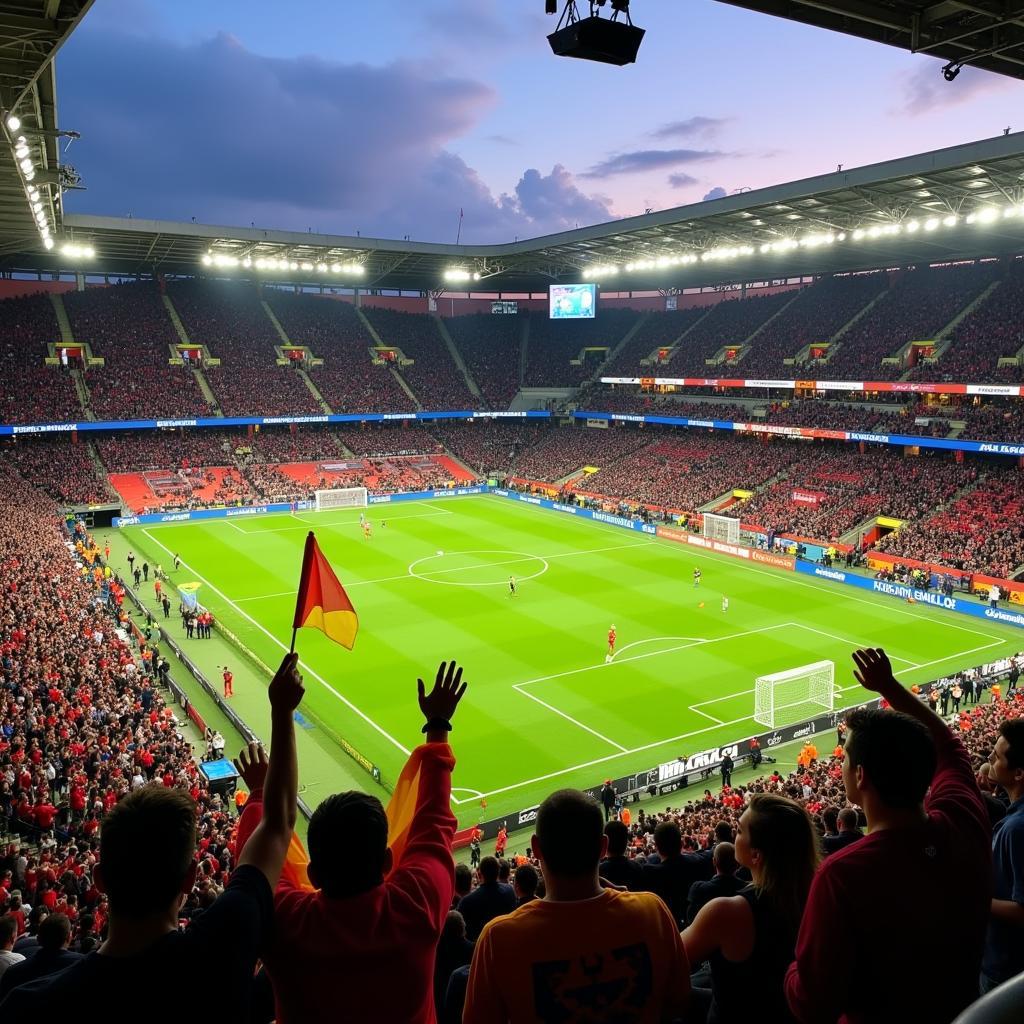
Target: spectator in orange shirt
<point>556,958</point>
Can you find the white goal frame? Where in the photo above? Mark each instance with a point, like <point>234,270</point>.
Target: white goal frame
<point>341,497</point>
<point>783,698</point>
<point>724,528</point>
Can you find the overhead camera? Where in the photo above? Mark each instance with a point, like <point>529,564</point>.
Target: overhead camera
<point>951,70</point>
<point>607,40</point>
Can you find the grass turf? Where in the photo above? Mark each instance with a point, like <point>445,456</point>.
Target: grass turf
<point>543,708</point>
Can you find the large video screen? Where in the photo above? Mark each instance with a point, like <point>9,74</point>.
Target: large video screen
<point>572,301</point>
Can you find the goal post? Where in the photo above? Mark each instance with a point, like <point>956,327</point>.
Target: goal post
<point>341,497</point>
<point>723,528</point>
<point>783,698</point>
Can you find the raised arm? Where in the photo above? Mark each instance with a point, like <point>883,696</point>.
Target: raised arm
<point>266,847</point>
<point>874,672</point>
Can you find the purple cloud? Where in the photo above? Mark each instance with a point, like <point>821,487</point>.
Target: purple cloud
<point>704,127</point>
<point>716,193</point>
<point>681,180</point>
<point>648,160</point>
<point>215,131</point>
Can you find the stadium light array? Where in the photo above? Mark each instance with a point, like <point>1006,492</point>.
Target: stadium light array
<point>984,216</point>
<point>226,262</point>
<point>78,251</point>
<point>455,274</point>
<point>27,169</point>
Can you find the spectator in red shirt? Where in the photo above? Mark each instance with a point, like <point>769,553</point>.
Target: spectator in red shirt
<point>361,945</point>
<point>885,910</point>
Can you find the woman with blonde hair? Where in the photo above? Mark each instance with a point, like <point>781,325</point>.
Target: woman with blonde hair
<point>749,939</point>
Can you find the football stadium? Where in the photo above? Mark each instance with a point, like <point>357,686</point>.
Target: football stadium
<point>624,622</point>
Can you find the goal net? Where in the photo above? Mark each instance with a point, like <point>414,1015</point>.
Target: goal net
<point>721,528</point>
<point>341,497</point>
<point>782,698</point>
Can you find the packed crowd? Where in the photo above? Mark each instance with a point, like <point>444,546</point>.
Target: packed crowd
<point>349,380</point>
<point>229,319</point>
<point>984,336</point>
<point>31,391</point>
<point>63,470</point>
<point>819,894</point>
<point>851,487</point>
<point>128,326</point>
<point>432,373</point>
<point>562,451</point>
<point>83,723</point>
<point>818,314</point>
<point>489,446</point>
<point>981,531</point>
<point>659,330</point>
<point>490,347</point>
<point>730,323</point>
<point>684,472</point>
<point>917,306</point>
<point>555,352</point>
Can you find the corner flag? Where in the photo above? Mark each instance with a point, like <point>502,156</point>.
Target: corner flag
<point>322,602</point>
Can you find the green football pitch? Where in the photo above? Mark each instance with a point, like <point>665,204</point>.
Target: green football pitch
<point>544,710</point>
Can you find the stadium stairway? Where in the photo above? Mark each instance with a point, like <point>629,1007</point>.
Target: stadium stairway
<point>101,470</point>
<point>613,353</point>
<point>747,341</point>
<point>404,385</point>
<point>315,392</point>
<point>474,390</point>
<point>835,342</point>
<point>281,332</point>
<point>60,311</point>
<point>82,390</point>
<point>524,348</point>
<point>945,336</point>
<point>179,327</point>
<point>204,387</point>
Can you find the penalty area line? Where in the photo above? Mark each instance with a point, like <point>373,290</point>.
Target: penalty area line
<point>569,718</point>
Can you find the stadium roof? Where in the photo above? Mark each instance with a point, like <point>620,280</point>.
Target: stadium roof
<point>31,33</point>
<point>987,34</point>
<point>963,202</point>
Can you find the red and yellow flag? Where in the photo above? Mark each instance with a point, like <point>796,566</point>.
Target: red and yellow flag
<point>322,602</point>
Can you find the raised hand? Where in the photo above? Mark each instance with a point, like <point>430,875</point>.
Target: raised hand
<point>443,699</point>
<point>252,764</point>
<point>286,689</point>
<point>873,670</point>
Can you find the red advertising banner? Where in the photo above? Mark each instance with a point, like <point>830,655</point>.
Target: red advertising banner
<point>771,558</point>
<point>802,497</point>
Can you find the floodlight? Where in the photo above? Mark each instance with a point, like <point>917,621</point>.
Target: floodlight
<point>949,221</point>
<point>13,123</point>
<point>931,223</point>
<point>48,242</point>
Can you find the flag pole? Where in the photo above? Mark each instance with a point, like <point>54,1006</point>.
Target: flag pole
<point>300,596</point>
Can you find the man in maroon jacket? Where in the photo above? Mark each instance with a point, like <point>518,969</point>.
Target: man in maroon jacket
<point>360,946</point>
<point>883,912</point>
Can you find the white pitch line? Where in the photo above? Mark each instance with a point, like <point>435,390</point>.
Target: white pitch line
<point>340,522</point>
<point>717,721</point>
<point>569,718</point>
<point>960,654</point>
<point>652,654</point>
<point>437,572</point>
<point>466,789</point>
<point>853,643</point>
<point>366,718</point>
